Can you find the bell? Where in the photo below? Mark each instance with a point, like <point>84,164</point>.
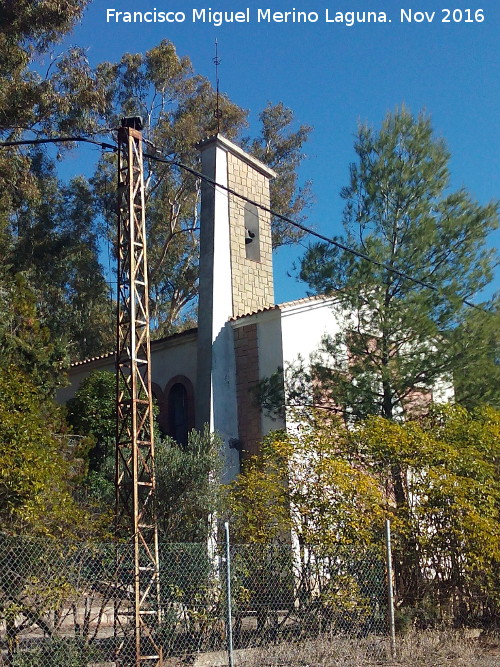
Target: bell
<point>249,236</point>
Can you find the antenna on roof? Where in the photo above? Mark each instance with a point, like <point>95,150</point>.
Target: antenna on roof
<point>217,112</point>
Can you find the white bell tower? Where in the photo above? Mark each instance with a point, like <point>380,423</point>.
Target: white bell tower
<point>235,277</point>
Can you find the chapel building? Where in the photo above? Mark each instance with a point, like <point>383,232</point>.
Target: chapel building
<point>209,375</point>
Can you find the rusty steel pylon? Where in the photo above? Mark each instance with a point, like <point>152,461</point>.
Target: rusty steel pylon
<point>137,607</point>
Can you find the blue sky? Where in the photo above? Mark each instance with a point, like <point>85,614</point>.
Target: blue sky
<point>333,76</point>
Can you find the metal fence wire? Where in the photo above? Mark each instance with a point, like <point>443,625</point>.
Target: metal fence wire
<point>58,600</point>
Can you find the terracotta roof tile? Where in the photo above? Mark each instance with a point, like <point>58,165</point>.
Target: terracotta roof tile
<point>280,306</point>
<point>154,343</point>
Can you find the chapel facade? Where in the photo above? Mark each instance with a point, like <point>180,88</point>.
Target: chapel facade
<point>209,375</point>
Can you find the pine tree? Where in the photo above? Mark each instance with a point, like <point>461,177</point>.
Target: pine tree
<point>400,335</point>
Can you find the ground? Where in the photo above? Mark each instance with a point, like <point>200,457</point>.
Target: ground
<point>416,649</point>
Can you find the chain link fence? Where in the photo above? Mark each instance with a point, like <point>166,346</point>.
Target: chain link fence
<point>58,601</point>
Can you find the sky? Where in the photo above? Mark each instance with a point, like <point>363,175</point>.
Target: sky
<point>444,61</point>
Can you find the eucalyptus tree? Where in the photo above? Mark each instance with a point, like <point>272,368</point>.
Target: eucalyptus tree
<point>41,219</point>
<point>71,97</point>
<point>178,109</point>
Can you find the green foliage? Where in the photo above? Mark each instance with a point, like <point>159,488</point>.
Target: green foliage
<point>400,335</point>
<point>437,479</point>
<point>59,652</point>
<point>401,338</point>
<point>30,101</point>
<point>39,461</point>
<point>57,587</point>
<point>308,483</point>
<point>92,412</point>
<point>189,576</point>
<point>477,380</point>
<point>187,486</point>
<point>444,505</point>
<point>36,25</point>
<point>64,100</point>
<point>258,499</point>
<point>47,228</point>
<point>187,477</point>
<point>51,230</point>
<point>280,148</point>
<point>307,487</point>
<point>25,342</point>
<point>55,245</point>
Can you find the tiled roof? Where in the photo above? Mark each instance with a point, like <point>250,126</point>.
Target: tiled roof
<point>154,343</point>
<point>107,355</point>
<point>281,306</point>
<point>159,341</point>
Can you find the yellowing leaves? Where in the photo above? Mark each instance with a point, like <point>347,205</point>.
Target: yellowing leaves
<point>436,478</point>
<point>36,462</point>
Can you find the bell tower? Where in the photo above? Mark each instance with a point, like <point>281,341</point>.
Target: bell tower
<point>248,268</point>
<point>236,276</point>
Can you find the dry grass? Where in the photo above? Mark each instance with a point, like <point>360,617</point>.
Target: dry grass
<point>416,649</point>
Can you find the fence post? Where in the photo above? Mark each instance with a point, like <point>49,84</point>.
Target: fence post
<point>390,590</point>
<point>228,596</point>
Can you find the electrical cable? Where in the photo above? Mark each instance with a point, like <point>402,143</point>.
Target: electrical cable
<point>229,190</point>
<point>57,140</point>
<point>307,230</point>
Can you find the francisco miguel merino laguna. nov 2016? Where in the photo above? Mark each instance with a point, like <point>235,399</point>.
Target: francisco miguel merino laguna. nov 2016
<point>246,15</point>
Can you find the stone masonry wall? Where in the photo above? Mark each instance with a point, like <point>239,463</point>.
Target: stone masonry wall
<point>252,280</point>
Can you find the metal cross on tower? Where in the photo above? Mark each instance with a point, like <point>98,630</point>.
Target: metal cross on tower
<point>137,562</point>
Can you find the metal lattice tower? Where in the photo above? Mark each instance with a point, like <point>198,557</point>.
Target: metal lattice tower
<point>135,474</point>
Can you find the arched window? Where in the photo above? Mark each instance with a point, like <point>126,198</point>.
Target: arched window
<point>176,417</point>
<point>178,413</point>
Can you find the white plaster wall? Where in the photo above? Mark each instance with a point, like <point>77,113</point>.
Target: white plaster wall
<point>176,356</point>
<point>78,373</point>
<point>305,324</point>
<point>224,418</point>
<point>174,359</point>
<point>222,288</point>
<point>270,358</point>
<point>443,391</point>
<point>289,332</point>
<point>224,408</point>
<point>216,374</point>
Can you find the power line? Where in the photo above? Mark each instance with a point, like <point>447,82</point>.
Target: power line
<point>233,192</point>
<point>58,140</point>
<point>322,237</point>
